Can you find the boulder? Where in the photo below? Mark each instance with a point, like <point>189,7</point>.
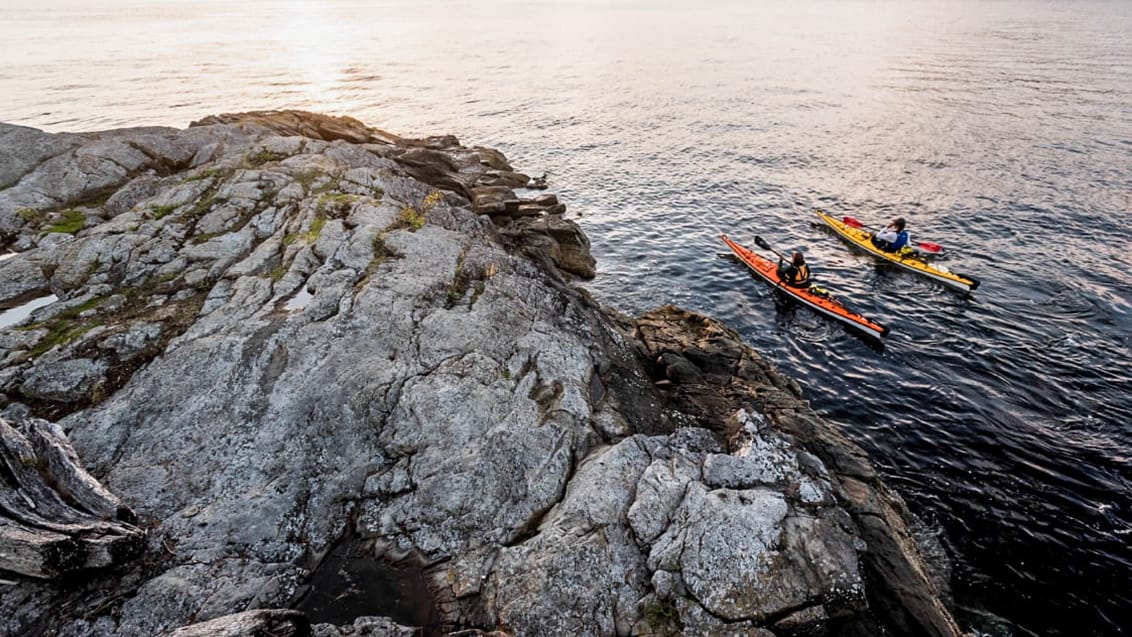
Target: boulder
<point>23,148</point>
<point>252,623</point>
<point>20,279</point>
<point>65,381</point>
<point>554,240</point>
<point>490,199</point>
<point>134,340</point>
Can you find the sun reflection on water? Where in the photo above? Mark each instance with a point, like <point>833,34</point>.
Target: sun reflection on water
<point>314,47</point>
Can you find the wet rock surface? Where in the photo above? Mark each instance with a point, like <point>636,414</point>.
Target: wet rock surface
<point>314,356</point>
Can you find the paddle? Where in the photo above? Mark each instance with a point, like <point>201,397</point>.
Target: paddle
<point>766,246</point>
<point>923,245</point>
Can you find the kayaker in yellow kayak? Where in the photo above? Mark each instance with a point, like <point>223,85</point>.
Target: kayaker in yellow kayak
<point>796,274</point>
<point>892,237</point>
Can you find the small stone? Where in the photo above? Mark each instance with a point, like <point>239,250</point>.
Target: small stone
<point>194,277</point>
<point>63,381</point>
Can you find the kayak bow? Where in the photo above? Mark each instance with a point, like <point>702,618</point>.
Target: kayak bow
<point>861,238</point>
<point>821,303</point>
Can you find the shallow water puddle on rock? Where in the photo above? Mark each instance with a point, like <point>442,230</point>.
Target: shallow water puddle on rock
<point>301,299</point>
<point>350,583</point>
<point>15,315</point>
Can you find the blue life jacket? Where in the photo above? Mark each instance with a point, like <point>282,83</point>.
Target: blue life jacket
<point>901,241</point>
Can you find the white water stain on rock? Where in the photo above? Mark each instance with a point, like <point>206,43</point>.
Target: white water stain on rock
<point>16,315</point>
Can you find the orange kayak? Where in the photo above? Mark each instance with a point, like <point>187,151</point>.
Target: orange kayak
<point>820,303</point>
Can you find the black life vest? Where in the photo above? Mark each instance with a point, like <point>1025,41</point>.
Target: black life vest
<point>798,276</point>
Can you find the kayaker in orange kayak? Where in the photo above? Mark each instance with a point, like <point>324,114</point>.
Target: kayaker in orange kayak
<point>797,273</point>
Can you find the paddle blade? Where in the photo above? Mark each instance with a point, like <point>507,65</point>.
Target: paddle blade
<point>762,243</point>
<point>929,247</point>
<point>850,221</point>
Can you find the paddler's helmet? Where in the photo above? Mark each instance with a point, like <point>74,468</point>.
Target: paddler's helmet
<point>798,258</point>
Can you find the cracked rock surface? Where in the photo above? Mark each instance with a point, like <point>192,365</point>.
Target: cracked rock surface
<point>276,331</point>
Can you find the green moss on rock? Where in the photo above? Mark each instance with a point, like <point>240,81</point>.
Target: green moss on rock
<point>70,221</point>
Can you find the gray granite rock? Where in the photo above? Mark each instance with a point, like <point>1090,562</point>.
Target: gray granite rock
<point>138,190</point>
<point>19,278</point>
<point>308,332</point>
<point>64,381</point>
<point>133,341</point>
<point>22,149</point>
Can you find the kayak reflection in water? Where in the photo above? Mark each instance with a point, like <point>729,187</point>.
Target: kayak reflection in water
<point>893,237</point>
<point>797,273</point>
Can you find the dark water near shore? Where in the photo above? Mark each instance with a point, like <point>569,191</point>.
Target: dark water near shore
<point>1001,129</point>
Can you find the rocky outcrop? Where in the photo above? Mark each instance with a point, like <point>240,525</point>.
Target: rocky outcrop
<point>278,623</point>
<point>20,281</point>
<point>322,366</point>
<point>56,518</point>
<point>710,369</point>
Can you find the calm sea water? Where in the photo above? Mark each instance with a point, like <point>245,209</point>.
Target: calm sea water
<point>1001,129</point>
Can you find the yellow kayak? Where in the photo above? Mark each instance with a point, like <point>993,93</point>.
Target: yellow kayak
<point>860,238</point>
